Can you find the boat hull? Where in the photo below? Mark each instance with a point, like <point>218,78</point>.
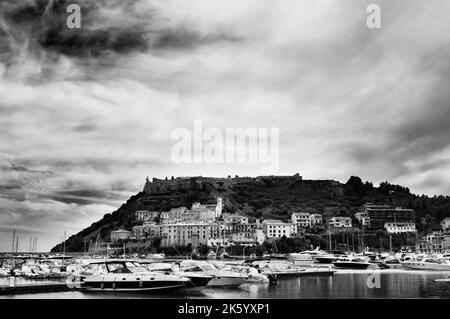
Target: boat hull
<point>351,265</point>
<point>427,267</point>
<point>226,281</point>
<point>131,286</point>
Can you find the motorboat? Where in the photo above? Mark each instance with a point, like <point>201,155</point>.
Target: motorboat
<point>254,276</point>
<point>427,263</point>
<point>354,262</point>
<point>156,256</point>
<point>220,277</point>
<point>328,258</point>
<point>198,279</point>
<point>5,272</point>
<point>128,276</point>
<point>300,258</point>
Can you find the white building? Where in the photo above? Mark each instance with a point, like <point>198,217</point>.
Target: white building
<point>401,227</point>
<point>301,219</point>
<point>363,218</point>
<point>183,234</point>
<point>120,234</point>
<point>340,222</point>
<point>274,228</point>
<point>445,223</point>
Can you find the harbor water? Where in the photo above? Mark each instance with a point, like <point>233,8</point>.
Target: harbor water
<point>345,284</point>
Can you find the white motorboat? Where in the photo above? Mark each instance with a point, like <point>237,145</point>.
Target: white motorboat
<point>5,272</point>
<point>221,277</point>
<point>305,257</point>
<point>198,279</point>
<point>128,276</point>
<point>254,276</point>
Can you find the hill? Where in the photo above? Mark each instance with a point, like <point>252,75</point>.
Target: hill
<point>265,197</point>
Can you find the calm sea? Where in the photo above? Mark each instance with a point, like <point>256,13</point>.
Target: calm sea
<point>344,284</point>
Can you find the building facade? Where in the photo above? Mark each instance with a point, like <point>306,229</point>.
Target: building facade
<point>445,224</point>
<point>301,219</point>
<point>398,228</point>
<point>316,219</point>
<point>120,234</point>
<point>382,214</point>
<point>340,222</point>
<point>145,215</point>
<point>432,244</point>
<point>363,218</point>
<point>276,228</point>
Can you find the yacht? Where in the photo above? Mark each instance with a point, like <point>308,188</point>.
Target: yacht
<point>427,263</point>
<point>197,279</point>
<point>305,257</point>
<point>328,258</point>
<point>220,277</point>
<point>128,276</point>
<point>5,272</point>
<point>353,262</point>
<point>254,276</point>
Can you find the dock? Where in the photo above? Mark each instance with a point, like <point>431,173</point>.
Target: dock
<point>300,273</point>
<point>34,288</point>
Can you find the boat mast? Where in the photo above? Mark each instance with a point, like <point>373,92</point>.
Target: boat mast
<point>13,241</point>
<point>64,243</point>
<point>390,242</point>
<point>329,238</point>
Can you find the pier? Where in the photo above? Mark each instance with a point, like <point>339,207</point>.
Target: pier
<point>29,288</point>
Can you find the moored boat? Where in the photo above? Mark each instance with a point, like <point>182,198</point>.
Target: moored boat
<point>128,276</point>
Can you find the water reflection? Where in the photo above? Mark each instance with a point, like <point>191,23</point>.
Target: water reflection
<point>341,285</point>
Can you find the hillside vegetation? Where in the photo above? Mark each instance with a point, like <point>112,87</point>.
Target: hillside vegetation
<point>274,198</point>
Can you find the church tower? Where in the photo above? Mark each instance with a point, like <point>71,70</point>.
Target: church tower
<point>219,207</point>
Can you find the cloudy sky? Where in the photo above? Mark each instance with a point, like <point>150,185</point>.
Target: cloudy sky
<point>86,114</point>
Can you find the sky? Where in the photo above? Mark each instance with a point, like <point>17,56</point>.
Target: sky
<point>86,114</point>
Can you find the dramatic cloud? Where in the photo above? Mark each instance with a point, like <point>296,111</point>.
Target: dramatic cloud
<point>86,114</point>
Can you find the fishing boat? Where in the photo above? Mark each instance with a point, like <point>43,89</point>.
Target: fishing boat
<point>128,276</point>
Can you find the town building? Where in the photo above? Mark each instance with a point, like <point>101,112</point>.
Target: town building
<point>274,228</point>
<point>432,243</point>
<point>233,218</point>
<point>445,224</point>
<point>120,234</point>
<point>301,219</point>
<point>148,230</point>
<point>145,215</point>
<point>379,215</point>
<point>398,228</point>
<point>363,218</point>
<point>316,219</point>
<point>183,234</point>
<point>340,222</point>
